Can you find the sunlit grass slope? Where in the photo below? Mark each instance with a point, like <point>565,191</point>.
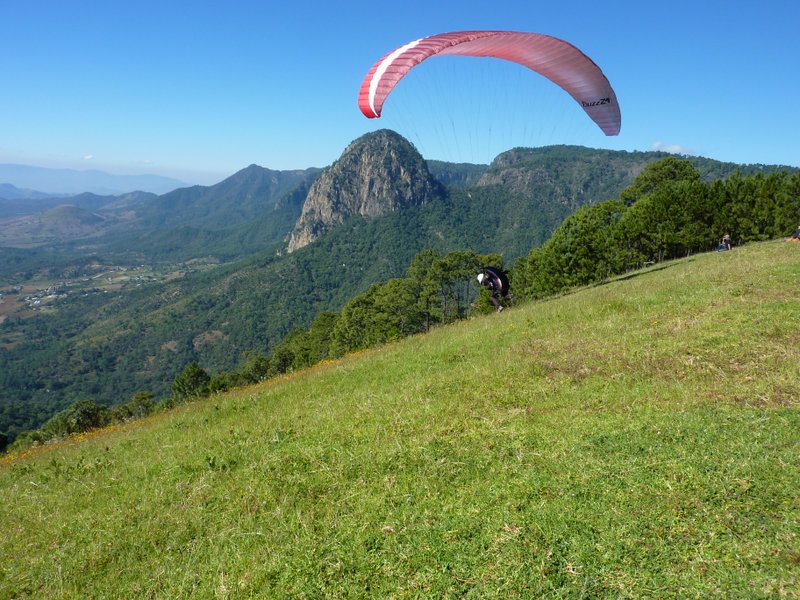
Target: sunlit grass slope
<point>635,439</point>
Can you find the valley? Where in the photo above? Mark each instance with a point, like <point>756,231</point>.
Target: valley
<point>43,294</point>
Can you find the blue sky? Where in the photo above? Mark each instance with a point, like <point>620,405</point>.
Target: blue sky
<point>199,90</point>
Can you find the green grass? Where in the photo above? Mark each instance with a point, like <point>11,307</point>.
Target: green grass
<point>637,439</point>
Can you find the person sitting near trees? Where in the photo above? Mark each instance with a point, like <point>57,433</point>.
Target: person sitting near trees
<point>795,237</point>
<point>496,281</point>
<point>725,243</point>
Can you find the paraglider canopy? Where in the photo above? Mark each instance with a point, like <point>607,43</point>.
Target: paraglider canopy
<point>559,61</point>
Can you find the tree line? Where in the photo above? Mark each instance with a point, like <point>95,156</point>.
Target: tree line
<point>668,213</point>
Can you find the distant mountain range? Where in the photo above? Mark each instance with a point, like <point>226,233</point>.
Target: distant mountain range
<point>26,182</point>
<point>255,203</point>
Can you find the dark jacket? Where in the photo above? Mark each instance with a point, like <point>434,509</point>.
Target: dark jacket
<point>496,281</point>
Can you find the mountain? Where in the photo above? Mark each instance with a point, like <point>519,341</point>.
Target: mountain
<point>251,210</point>
<point>242,197</point>
<point>570,175</point>
<point>65,220</point>
<point>12,192</point>
<point>71,181</point>
<point>44,226</point>
<point>117,325</point>
<point>378,174</point>
<point>17,202</point>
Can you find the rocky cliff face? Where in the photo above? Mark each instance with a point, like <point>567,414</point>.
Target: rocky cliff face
<point>377,174</point>
<point>570,176</point>
<point>522,170</point>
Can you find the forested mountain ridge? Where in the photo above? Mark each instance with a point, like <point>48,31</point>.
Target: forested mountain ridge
<point>584,175</point>
<point>243,196</point>
<point>111,344</point>
<point>572,176</point>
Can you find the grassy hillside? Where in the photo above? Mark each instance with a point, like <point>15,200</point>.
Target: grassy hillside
<point>633,439</point>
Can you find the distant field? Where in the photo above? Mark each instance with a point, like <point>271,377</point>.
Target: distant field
<point>43,292</point>
<point>636,439</point>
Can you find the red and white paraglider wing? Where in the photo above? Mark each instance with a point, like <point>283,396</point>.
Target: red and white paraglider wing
<point>559,61</point>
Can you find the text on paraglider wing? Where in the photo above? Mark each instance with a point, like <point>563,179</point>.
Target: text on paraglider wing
<point>596,102</point>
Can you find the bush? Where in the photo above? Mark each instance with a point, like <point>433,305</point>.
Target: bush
<point>192,382</point>
<point>85,415</point>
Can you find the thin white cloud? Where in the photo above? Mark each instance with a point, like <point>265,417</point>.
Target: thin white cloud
<point>670,148</point>
<point>88,157</point>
